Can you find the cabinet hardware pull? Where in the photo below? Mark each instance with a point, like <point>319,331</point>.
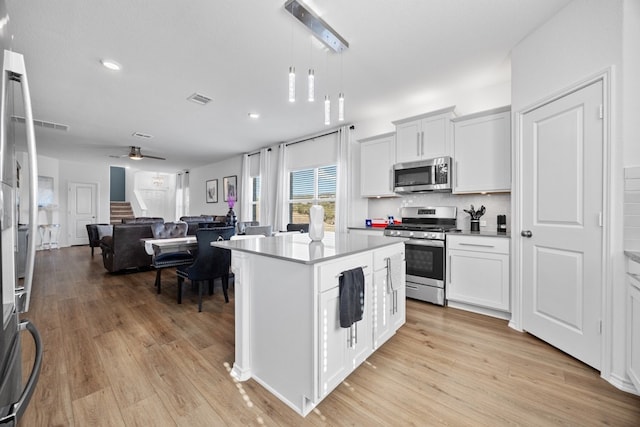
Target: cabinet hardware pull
<point>422,144</point>
<point>418,144</point>
<point>476,244</point>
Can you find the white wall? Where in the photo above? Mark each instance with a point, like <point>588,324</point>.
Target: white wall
<point>583,39</point>
<point>197,181</point>
<point>631,82</point>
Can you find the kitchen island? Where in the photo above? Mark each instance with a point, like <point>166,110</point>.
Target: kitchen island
<point>288,334</point>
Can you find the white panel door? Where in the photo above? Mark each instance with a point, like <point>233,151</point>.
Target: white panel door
<point>83,208</point>
<point>561,215</point>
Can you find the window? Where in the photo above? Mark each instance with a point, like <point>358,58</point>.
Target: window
<point>255,198</point>
<point>313,186</point>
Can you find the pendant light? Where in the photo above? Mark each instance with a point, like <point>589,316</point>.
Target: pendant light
<point>327,110</point>
<point>292,84</point>
<point>311,90</point>
<point>341,96</point>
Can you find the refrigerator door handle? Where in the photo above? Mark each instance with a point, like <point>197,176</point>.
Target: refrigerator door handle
<point>14,62</point>
<point>17,409</point>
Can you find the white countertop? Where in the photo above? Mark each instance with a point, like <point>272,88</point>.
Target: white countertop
<point>298,247</point>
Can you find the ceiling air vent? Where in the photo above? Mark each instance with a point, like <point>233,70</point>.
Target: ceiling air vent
<point>43,123</point>
<point>141,135</point>
<point>199,98</point>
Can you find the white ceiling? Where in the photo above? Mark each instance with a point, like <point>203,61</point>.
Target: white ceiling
<point>238,53</point>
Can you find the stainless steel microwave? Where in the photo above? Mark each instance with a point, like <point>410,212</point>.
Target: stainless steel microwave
<point>423,175</point>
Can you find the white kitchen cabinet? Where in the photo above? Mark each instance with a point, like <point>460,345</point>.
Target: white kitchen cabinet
<point>342,349</point>
<point>377,156</point>
<point>478,273</point>
<point>425,136</point>
<point>482,152</point>
<point>633,320</point>
<point>388,308</point>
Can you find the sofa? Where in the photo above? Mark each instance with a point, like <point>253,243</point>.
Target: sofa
<point>195,221</point>
<point>142,220</point>
<point>123,249</point>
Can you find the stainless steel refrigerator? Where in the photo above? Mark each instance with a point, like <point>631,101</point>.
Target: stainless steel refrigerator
<point>15,133</point>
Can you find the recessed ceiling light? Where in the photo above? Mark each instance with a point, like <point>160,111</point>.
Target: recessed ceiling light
<point>254,115</point>
<point>112,65</point>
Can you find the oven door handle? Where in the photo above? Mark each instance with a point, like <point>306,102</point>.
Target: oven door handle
<point>425,242</point>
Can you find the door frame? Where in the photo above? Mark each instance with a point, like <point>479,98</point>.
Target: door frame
<point>516,210</point>
<point>97,204</point>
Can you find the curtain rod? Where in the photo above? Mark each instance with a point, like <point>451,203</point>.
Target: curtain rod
<point>352,127</point>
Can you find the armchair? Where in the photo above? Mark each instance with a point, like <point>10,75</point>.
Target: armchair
<point>209,264</point>
<point>97,232</point>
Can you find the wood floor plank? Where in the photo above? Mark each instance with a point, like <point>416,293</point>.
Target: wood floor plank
<point>117,353</point>
<point>97,409</point>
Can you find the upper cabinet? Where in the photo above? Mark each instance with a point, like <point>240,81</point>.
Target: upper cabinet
<point>425,136</point>
<point>377,156</point>
<point>482,152</point>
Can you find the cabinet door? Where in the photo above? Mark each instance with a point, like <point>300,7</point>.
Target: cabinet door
<point>333,343</point>
<point>478,278</point>
<point>482,154</point>
<point>408,142</point>
<point>382,309</point>
<point>434,136</point>
<point>633,368</point>
<point>376,163</point>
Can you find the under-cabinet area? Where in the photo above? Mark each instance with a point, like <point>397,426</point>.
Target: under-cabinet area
<point>478,274</point>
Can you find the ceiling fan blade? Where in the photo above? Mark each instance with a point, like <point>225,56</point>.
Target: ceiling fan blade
<point>145,156</point>
<point>118,157</point>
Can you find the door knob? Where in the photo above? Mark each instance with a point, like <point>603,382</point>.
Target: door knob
<point>526,233</point>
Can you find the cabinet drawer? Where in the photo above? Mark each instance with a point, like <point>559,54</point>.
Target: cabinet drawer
<point>499,245</point>
<point>330,272</point>
<point>381,255</point>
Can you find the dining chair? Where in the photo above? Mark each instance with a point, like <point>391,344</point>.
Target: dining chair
<point>210,263</point>
<point>303,228</point>
<point>265,230</point>
<point>161,261</point>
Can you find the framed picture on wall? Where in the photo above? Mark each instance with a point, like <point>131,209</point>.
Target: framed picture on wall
<point>212,191</point>
<point>230,187</point>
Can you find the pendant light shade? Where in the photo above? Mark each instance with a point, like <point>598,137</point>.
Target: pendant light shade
<point>292,84</point>
<point>327,110</point>
<point>341,107</point>
<point>311,89</point>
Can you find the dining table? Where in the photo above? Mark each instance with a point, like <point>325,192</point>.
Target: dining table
<point>174,244</point>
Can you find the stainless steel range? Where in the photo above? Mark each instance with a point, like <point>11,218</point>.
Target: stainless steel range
<point>425,252</point>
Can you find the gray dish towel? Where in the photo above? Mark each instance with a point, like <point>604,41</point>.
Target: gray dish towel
<point>351,297</point>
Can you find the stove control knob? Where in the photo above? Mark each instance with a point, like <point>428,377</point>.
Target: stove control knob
<point>411,234</point>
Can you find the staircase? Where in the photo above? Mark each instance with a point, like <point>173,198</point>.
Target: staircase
<point>120,210</point>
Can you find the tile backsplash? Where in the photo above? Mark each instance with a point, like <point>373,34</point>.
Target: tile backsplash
<point>496,204</point>
<point>632,208</point>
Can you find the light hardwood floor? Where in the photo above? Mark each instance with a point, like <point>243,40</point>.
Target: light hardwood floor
<point>118,354</point>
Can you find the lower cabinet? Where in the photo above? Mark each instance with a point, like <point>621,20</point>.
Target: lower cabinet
<point>633,368</point>
<point>341,349</point>
<point>388,298</point>
<point>478,272</point>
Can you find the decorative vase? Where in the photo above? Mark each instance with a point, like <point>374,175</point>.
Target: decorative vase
<point>316,223</point>
<point>475,225</point>
<point>232,219</point>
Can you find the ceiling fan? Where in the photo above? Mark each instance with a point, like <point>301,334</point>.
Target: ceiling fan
<point>135,154</point>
